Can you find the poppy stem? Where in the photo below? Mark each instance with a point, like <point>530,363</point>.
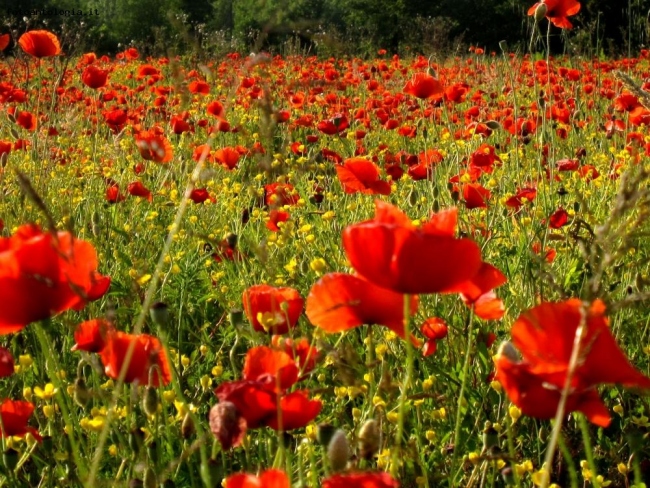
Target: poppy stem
<point>586,440</point>
<point>581,332</point>
<point>461,397</point>
<point>405,386</point>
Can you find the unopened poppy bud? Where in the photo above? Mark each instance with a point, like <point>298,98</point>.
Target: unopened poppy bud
<point>324,434</point>
<point>211,472</point>
<point>10,458</point>
<point>152,451</point>
<point>540,12</point>
<point>11,117</point>
<point>227,425</point>
<point>149,480</point>
<point>369,439</point>
<point>150,401</point>
<point>81,393</point>
<point>3,159</point>
<point>508,476</point>
<point>14,133</point>
<point>503,45</point>
<point>490,438</point>
<point>236,317</point>
<point>187,426</point>
<point>493,125</point>
<point>136,440</point>
<point>508,350</point>
<point>338,451</point>
<point>159,313</point>
<point>135,483</point>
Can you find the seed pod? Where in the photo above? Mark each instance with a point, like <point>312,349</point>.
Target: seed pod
<point>338,451</point>
<point>369,439</point>
<point>150,401</point>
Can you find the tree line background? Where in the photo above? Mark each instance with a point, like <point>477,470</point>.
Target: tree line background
<point>325,27</point>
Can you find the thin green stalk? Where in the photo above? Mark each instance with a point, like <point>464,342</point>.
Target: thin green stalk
<point>405,386</point>
<point>573,474</point>
<point>461,398</point>
<point>512,453</point>
<point>586,440</point>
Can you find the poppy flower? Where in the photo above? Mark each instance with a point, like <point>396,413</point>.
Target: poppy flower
<point>280,194</point>
<point>424,86</point>
<point>391,252</point>
<point>26,120</point>
<point>40,43</point>
<point>272,310</point>
<point>115,119</point>
<point>4,41</point>
<point>475,195</point>
<point>335,125</point>
<point>358,175</point>
<point>485,157</point>
<point>271,478</point>
<point>94,77</point>
<point>275,217</point>
<point>153,147</point>
<point>228,157</point>
<point>147,353</point>
<point>339,302</point>
<point>137,189</point>
<point>200,87</point>
<point>434,329</point>
<point>425,163</point>
<point>263,362</point>
<point>6,362</point>
<point>360,480</point>
<point>557,11</point>
<point>113,194</point>
<point>558,219</point>
<point>91,335</point>
<point>199,195</point>
<point>15,414</point>
<point>304,354</point>
<point>43,274</point>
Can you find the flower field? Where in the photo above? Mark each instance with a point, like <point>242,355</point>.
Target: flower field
<point>290,271</point>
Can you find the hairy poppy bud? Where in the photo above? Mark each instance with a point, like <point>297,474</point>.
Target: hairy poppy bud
<point>149,480</point>
<point>509,351</point>
<point>150,401</point>
<point>81,393</point>
<point>187,426</point>
<point>136,439</point>
<point>10,459</point>
<point>338,451</point>
<point>159,313</point>
<point>490,437</point>
<point>540,12</point>
<point>368,439</point>
<point>325,433</point>
<point>227,425</point>
<point>493,125</point>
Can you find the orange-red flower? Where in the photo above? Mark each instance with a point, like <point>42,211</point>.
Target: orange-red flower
<point>40,43</point>
<point>271,478</point>
<point>43,274</point>
<point>360,480</point>
<point>14,415</point>
<point>557,11</point>
<point>148,361</point>
<point>6,362</point>
<point>4,41</point>
<point>391,252</point>
<point>358,175</point>
<point>545,337</point>
<point>153,147</point>
<point>424,86</point>
<point>94,77</point>
<point>91,335</point>
<point>272,310</point>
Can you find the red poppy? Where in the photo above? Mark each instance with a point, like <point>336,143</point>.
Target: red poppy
<point>228,157</point>
<point>14,415</point>
<point>335,125</point>
<point>115,119</point>
<point>434,329</point>
<point>424,86</point>
<point>40,44</point>
<point>43,274</point>
<point>358,175</point>
<point>280,194</point>
<point>304,354</point>
<point>199,87</point>
<point>4,41</point>
<point>200,195</point>
<point>339,301</point>
<point>6,362</point>
<point>137,189</point>
<point>91,335</point>
<point>153,147</point>
<point>558,219</point>
<point>262,362</point>
<point>393,253</point>
<point>360,480</point>
<point>426,162</point>
<point>557,11</point>
<point>113,194</point>
<point>475,195</point>
<point>271,478</point>
<point>527,193</point>
<point>27,120</point>
<point>147,353</point>
<point>215,108</point>
<point>485,157</point>
<point>179,125</point>
<point>94,77</point>
<point>275,217</point>
<point>272,310</point>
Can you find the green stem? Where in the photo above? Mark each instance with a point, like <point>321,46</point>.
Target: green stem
<point>405,386</point>
<point>461,398</point>
<point>586,440</point>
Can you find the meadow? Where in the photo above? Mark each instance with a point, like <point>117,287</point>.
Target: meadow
<point>279,271</point>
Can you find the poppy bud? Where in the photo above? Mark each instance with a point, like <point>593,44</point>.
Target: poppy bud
<point>493,125</point>
<point>509,351</point>
<point>211,472</point>
<point>338,451</point>
<point>150,401</point>
<point>490,437</point>
<point>159,313</point>
<point>503,45</point>
<point>11,117</point>
<point>236,317</point>
<point>10,458</point>
<point>14,133</point>
<point>187,426</point>
<point>81,393</point>
<point>149,480</point>
<point>324,434</point>
<point>152,451</point>
<point>540,12</point>
<point>369,439</point>
<point>135,483</point>
<point>508,476</point>
<point>3,159</point>
<point>227,425</point>
<point>136,439</point>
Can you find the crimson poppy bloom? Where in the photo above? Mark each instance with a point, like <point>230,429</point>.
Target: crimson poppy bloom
<point>425,163</point>
<point>200,87</point>
<point>153,147</point>
<point>358,175</point>
<point>280,194</point>
<point>43,274</point>
<point>545,336</point>
<point>335,125</point>
<point>360,480</point>
<point>339,301</point>
<point>276,217</point>
<point>424,86</point>
<point>40,43</point>
<point>94,77</point>
<point>263,362</point>
<point>393,253</point>
<point>137,189</point>
<point>272,310</point>
<point>228,157</point>
<point>15,414</point>
<point>557,11</point>
<point>26,120</point>
<point>304,354</point>
<point>558,219</point>
<point>6,362</point>
<point>200,195</point>
<point>147,353</point>
<point>271,478</point>
<point>4,41</point>
<point>91,335</point>
<point>113,194</point>
<point>475,195</point>
<point>434,329</point>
